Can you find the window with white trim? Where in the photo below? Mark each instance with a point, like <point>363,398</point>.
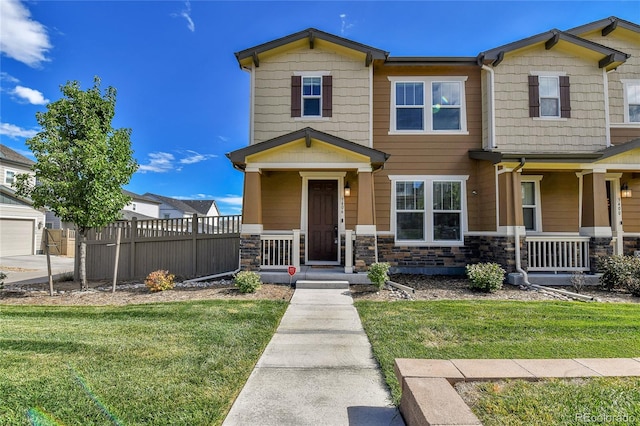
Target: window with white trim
<point>549,96</point>
<point>311,96</point>
<point>631,101</point>
<point>531,209</point>
<point>9,177</point>
<point>428,209</point>
<point>428,105</point>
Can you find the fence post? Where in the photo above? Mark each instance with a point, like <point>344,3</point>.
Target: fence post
<point>132,257</point>
<point>348,251</point>
<point>194,245</point>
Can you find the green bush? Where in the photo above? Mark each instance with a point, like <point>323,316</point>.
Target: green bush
<point>379,274</point>
<point>2,277</point>
<point>247,281</point>
<point>159,280</point>
<point>620,272</point>
<point>487,277</point>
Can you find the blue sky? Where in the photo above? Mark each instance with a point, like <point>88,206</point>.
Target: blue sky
<point>179,86</point>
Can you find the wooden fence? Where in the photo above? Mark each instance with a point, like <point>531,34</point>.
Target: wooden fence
<point>187,247</point>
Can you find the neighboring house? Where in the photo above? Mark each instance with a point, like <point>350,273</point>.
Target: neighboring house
<point>20,224</point>
<point>141,207</point>
<point>527,154</point>
<point>171,208</point>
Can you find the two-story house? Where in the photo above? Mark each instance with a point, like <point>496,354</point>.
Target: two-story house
<point>21,225</point>
<point>526,154</point>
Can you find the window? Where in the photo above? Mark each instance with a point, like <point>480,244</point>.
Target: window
<point>428,209</point>
<point>9,177</point>
<point>427,104</point>
<point>549,96</point>
<point>311,95</point>
<point>531,211</point>
<point>631,101</point>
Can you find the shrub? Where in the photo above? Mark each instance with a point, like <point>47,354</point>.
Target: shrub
<point>247,281</point>
<point>378,274</point>
<point>578,281</point>
<point>619,272</point>
<point>159,280</point>
<point>2,277</point>
<point>487,277</point>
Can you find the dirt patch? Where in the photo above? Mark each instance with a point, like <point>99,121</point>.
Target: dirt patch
<point>457,288</point>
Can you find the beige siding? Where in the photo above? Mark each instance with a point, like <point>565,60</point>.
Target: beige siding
<point>517,132</point>
<point>627,42</point>
<point>631,206</point>
<point>272,95</point>
<point>281,199</point>
<point>423,154</point>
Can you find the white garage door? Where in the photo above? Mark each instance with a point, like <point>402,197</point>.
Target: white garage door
<point>16,237</point>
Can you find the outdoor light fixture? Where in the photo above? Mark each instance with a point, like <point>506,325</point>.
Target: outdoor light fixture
<point>347,190</point>
<point>625,192</point>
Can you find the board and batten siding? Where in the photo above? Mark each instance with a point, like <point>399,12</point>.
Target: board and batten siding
<point>426,154</point>
<point>627,42</point>
<point>272,95</point>
<point>517,132</point>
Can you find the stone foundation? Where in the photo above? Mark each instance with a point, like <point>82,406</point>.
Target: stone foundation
<point>631,245</point>
<point>365,250</point>
<point>250,258</point>
<point>498,249</point>
<point>599,247</point>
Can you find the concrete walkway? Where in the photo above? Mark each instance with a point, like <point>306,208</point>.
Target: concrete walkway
<point>33,269</point>
<point>318,369</point>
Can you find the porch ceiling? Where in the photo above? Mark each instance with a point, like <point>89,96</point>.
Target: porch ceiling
<point>307,146</point>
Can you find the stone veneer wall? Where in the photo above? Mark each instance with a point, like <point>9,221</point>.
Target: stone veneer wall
<point>598,248</point>
<point>630,245</point>
<point>498,249</point>
<point>250,259</point>
<point>365,249</point>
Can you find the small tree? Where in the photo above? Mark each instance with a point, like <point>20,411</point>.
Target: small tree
<point>81,162</point>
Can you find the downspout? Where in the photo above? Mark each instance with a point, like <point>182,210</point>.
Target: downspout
<point>492,108</point>
<point>516,193</point>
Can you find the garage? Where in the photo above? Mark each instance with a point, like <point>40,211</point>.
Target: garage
<point>16,237</point>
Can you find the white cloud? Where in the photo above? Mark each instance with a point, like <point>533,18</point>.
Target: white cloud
<point>235,200</point>
<point>159,162</point>
<point>344,24</point>
<point>223,138</point>
<point>195,157</point>
<point>15,132</point>
<point>33,96</point>
<point>4,76</point>
<point>186,14</point>
<point>22,38</point>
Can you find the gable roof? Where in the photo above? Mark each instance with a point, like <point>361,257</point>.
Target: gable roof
<point>611,58</point>
<point>9,155</point>
<point>607,26</point>
<point>238,157</point>
<point>135,196</point>
<point>310,34</point>
<point>173,202</point>
<point>201,206</point>
<point>11,193</point>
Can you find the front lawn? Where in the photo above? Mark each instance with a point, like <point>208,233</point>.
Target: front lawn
<point>492,329</point>
<point>160,364</point>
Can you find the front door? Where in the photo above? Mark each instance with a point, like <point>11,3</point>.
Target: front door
<point>323,221</point>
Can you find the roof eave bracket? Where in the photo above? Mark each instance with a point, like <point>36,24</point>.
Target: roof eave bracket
<point>368,59</point>
<point>256,60</point>
<point>307,138</point>
<point>552,41</point>
<point>312,39</point>
<point>606,61</point>
<point>498,59</point>
<point>609,28</point>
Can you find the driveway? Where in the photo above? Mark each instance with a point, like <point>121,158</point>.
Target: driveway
<point>33,269</point>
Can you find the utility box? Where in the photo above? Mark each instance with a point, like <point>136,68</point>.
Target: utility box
<point>515,278</point>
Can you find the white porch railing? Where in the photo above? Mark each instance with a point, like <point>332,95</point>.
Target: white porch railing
<point>279,251</point>
<point>558,253</point>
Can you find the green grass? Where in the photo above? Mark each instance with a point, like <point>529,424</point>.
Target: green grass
<point>491,329</point>
<point>160,364</point>
<point>602,400</point>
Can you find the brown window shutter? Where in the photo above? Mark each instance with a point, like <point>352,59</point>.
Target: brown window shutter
<point>534,96</point>
<point>327,96</point>
<point>296,96</point>
<point>565,98</point>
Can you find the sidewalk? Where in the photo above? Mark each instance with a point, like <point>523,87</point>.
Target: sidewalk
<point>318,369</point>
<point>33,269</point>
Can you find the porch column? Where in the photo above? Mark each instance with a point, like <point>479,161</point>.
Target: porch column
<point>510,221</point>
<point>365,229</point>
<point>595,217</point>
<point>250,246</point>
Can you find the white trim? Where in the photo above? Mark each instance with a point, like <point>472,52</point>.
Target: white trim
<point>252,100</point>
<point>538,200</point>
<point>596,231</point>
<point>497,182</point>
<point>6,172</point>
<point>304,208</point>
<point>370,107</point>
<point>511,230</point>
<point>548,74</point>
<point>311,73</point>
<point>625,92</point>
<point>318,97</point>
<point>428,104</point>
<point>312,118</point>
<point>257,167</point>
<point>615,211</point>
<point>252,228</point>
<point>626,125</point>
<point>607,119</point>
<point>491,107</point>
<point>365,229</point>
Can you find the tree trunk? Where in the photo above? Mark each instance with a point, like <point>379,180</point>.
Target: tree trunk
<point>83,260</point>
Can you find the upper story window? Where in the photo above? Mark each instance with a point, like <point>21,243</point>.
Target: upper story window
<point>9,177</point>
<point>428,104</point>
<point>631,101</point>
<point>549,96</point>
<point>311,95</point>
<point>428,209</point>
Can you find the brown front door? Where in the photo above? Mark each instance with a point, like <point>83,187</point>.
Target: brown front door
<point>323,220</point>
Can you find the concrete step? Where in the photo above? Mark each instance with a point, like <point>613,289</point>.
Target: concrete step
<point>318,284</point>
